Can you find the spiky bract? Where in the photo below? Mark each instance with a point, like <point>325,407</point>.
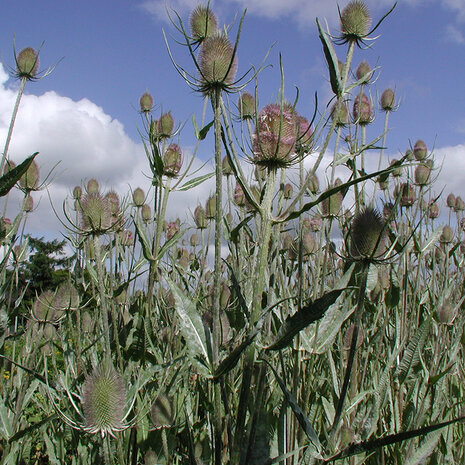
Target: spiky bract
<point>367,235</point>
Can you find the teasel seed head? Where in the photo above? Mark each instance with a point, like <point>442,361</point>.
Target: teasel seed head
<point>66,297</point>
<point>138,197</point>
<point>367,235</point>
<point>287,191</point>
<point>246,106</point>
<point>210,207</point>
<point>146,102</point>
<point>340,113</point>
<point>103,401</point>
<point>362,110</point>
<point>93,187</point>
<point>200,218</point>
<point>203,22</point>
<point>96,213</point>
<point>165,125</point>
<point>217,62</point>
<point>459,205</point>
<point>422,174</point>
<point>331,206</point>
<point>407,194</point>
<point>433,210</point>
<point>30,179</point>
<point>27,63</point>
<point>419,150</point>
<point>172,160</point>
<point>274,138</point>
<point>355,21</point>
<point>28,203</point>
<point>387,100</point>
<point>44,310</point>
<point>362,70</point>
<point>447,235</point>
<point>146,213</point>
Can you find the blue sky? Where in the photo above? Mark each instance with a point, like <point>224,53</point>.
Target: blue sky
<point>85,113</point>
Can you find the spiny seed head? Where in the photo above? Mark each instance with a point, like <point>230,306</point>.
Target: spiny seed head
<point>138,197</point>
<point>146,213</point>
<point>407,194</point>
<point>226,167</point>
<point>239,196</point>
<point>362,110</point>
<point>217,66</point>
<point>274,137</point>
<point>171,229</point>
<point>146,102</point>
<point>66,297</point>
<point>287,191</point>
<point>340,113</point>
<point>331,205</point>
<point>103,401</point>
<point>93,187</point>
<point>367,239</point>
<point>362,70</point>
<point>96,213</point>
<point>200,217</point>
<point>447,235</point>
<point>459,205</point>
<point>126,238</point>
<point>165,125</point>
<point>77,193</point>
<point>309,243</point>
<point>30,179</point>
<point>44,310</point>
<point>433,210</point>
<point>387,100</point>
<point>355,21</point>
<point>28,203</point>
<point>172,161</point>
<point>450,200</point>
<point>27,63</point>
<point>419,150</point>
<point>203,22</point>
<point>246,106</point>
<point>210,207</point>
<point>422,174</point>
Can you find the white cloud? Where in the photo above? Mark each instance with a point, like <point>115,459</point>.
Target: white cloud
<point>455,35</point>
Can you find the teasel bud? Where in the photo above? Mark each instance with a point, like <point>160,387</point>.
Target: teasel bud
<point>367,235</point>
<point>362,70</point>
<point>28,203</point>
<point>331,205</point>
<point>146,102</point>
<point>387,100</point>
<point>433,210</point>
<point>30,179</point>
<point>340,113</point>
<point>226,167</point>
<point>362,110</point>
<point>172,161</point>
<point>396,172</point>
<point>96,214</point>
<point>450,201</point>
<point>239,196</point>
<point>103,401</point>
<point>27,63</point>
<point>355,21</point>
<point>419,150</point>
<point>246,106</point>
<point>314,184</point>
<point>146,213</point>
<point>203,22</point>
<point>210,207</point>
<point>308,243</point>
<point>138,197</point>
<point>171,229</point>
<point>77,193</point>
<point>217,62</point>
<point>200,218</point>
<point>422,174</point>
<point>287,191</point>
<point>165,126</point>
<point>66,297</point>
<point>274,138</point>
<point>126,238</point>
<point>459,205</point>
<point>447,235</point>
<point>93,187</point>
<point>407,194</point>
<point>194,240</point>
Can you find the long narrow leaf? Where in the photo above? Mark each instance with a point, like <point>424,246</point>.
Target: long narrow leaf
<point>9,179</point>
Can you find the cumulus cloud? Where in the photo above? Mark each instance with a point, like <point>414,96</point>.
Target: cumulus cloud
<point>455,35</point>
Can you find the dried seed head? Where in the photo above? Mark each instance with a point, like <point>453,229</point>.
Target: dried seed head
<point>367,235</point>
<point>146,103</point>
<point>419,150</point>
<point>103,401</point>
<point>274,137</point>
<point>138,197</point>
<point>362,110</point>
<point>246,106</point>
<point>387,100</point>
<point>203,22</point>
<point>30,179</point>
<point>362,70</point>
<point>355,21</point>
<point>217,64</point>
<point>172,160</point>
<point>27,63</point>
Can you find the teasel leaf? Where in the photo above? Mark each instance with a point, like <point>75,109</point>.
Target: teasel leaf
<point>331,60</point>
<point>9,179</point>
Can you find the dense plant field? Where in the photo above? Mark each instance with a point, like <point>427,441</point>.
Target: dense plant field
<point>288,320</point>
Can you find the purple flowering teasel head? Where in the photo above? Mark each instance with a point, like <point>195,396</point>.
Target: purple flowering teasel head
<point>275,136</point>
